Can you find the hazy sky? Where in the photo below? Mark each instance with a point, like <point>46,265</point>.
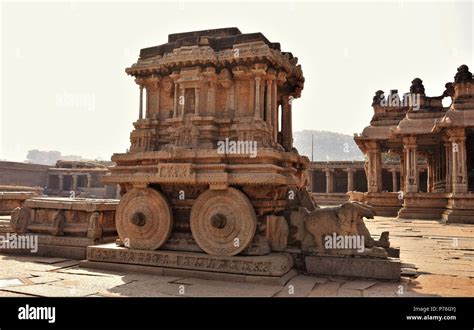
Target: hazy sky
<point>64,87</point>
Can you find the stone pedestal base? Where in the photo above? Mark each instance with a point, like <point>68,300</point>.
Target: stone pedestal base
<point>171,263</point>
<point>460,208</point>
<point>429,206</point>
<point>9,200</point>
<point>57,246</point>
<point>385,204</point>
<point>382,269</point>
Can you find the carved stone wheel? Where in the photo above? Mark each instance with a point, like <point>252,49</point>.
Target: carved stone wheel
<point>223,222</point>
<point>144,219</point>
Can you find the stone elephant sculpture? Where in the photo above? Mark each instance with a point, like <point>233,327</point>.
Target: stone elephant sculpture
<point>345,219</point>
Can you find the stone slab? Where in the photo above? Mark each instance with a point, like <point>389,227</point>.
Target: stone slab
<point>51,250</point>
<point>370,268</point>
<point>79,204</point>
<point>173,272</point>
<point>420,213</point>
<point>458,216</point>
<point>60,246</point>
<point>329,289</point>
<point>275,264</point>
<point>299,286</point>
<point>73,241</point>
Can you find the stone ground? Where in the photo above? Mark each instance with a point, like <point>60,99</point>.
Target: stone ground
<point>444,255</point>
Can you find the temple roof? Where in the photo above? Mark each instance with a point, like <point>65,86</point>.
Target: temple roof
<point>78,164</point>
<point>222,49</point>
<point>217,39</point>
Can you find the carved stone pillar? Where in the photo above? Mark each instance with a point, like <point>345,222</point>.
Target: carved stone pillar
<point>61,182</point>
<point>89,180</point>
<point>211,98</point>
<point>197,91</point>
<point>182,100</point>
<point>402,171</point>
<point>237,84</point>
<point>275,112</point>
<point>310,180</point>
<point>449,172</point>
<point>394,181</point>
<point>257,96</point>
<point>374,167</point>
<point>74,181</point>
<point>287,133</point>
<point>175,102</point>
<point>350,179</point>
<point>140,109</point>
<point>329,181</point>
<point>152,86</point>
<point>457,138</point>
<point>431,170</point>
<point>268,109</point>
<point>411,164</point>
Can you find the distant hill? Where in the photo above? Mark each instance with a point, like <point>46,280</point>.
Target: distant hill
<point>328,146</point>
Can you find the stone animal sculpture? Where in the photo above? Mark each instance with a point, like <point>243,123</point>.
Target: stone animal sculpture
<point>345,219</point>
<point>369,213</point>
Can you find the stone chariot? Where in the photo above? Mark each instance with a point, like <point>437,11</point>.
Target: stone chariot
<point>179,190</point>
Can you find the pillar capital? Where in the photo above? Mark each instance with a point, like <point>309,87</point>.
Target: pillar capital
<point>372,146</point>
<point>152,82</point>
<point>140,82</point>
<point>409,141</point>
<point>281,77</point>
<point>456,134</point>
